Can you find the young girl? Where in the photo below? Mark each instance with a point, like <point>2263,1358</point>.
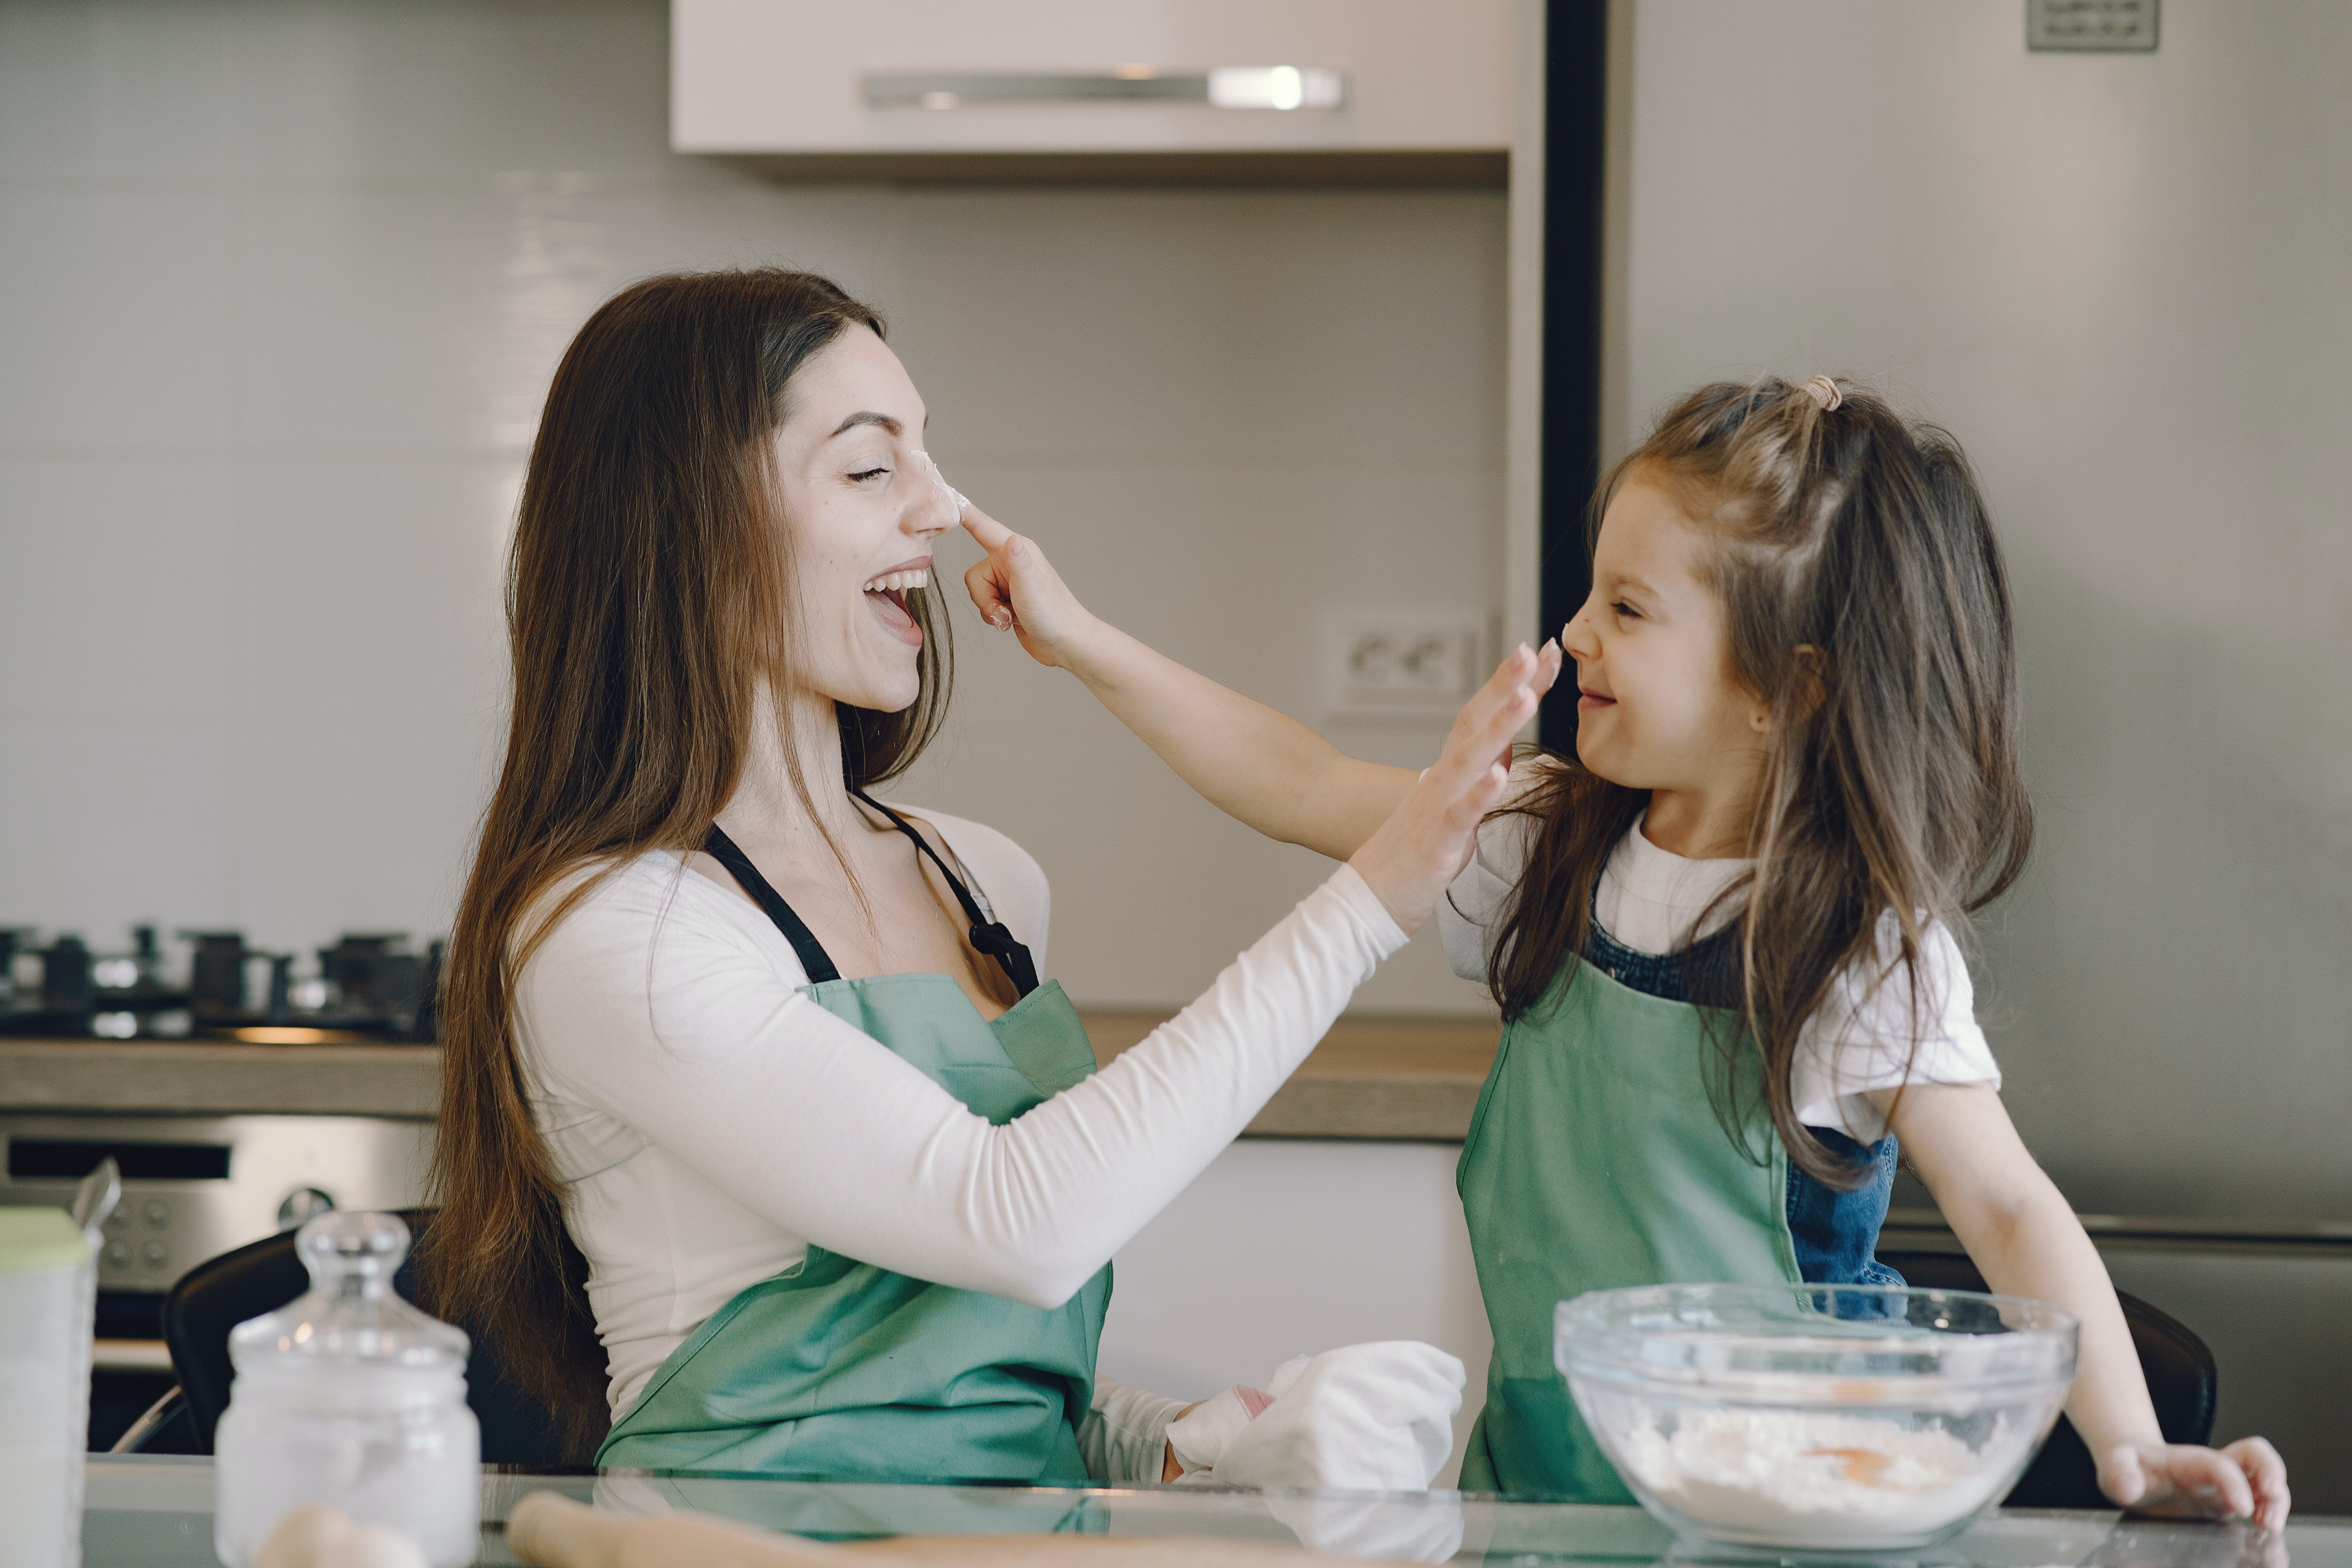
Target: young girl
<point>1722,934</point>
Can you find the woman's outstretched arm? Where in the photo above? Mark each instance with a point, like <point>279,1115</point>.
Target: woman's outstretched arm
<point>1257,765</point>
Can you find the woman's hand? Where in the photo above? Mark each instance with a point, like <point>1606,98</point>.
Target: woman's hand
<point>2245,1480</point>
<point>1017,590</point>
<point>1414,857</point>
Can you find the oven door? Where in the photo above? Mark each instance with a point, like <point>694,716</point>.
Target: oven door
<point>194,1187</point>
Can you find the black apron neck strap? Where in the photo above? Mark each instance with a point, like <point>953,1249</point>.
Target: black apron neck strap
<point>813,958</point>
<point>988,936</point>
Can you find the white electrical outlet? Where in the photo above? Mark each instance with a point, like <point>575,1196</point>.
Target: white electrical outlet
<point>1400,666</point>
<point>2127,27</point>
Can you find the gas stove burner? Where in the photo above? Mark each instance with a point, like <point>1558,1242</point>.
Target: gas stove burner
<point>368,987</point>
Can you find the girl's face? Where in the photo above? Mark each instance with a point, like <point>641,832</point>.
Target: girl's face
<point>1658,707</point>
<point>862,504</point>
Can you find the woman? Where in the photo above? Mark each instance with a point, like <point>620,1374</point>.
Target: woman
<point>843,1181</point>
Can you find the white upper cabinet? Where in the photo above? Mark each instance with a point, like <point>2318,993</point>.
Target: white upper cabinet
<point>1211,85</point>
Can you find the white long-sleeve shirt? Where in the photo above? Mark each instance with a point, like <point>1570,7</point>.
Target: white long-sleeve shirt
<point>711,1122</point>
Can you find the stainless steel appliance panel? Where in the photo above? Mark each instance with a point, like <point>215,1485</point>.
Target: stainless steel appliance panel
<point>196,1186</point>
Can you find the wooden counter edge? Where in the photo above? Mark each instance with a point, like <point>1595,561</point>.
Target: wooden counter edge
<point>175,1078</point>
<point>1371,1078</point>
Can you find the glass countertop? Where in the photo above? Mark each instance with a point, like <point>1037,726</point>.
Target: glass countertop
<point>155,1511</point>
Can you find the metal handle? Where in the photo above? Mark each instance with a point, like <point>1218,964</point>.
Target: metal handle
<point>129,1356</point>
<point>156,1416</point>
<point>1221,87</point>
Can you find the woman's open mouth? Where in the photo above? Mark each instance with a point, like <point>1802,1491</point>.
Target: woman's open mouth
<point>888,596</point>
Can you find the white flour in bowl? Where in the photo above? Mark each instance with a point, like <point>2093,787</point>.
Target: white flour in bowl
<point>1813,1479</point>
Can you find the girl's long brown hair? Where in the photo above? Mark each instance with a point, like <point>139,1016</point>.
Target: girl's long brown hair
<point>1867,604</point>
<point>649,595</point>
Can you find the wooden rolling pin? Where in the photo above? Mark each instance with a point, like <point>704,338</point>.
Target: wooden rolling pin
<point>554,1531</point>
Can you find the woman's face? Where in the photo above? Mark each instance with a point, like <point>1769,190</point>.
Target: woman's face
<point>862,504</point>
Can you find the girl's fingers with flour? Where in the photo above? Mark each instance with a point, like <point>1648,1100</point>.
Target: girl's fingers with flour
<point>1016,589</point>
<point>2247,1479</point>
<point>1411,859</point>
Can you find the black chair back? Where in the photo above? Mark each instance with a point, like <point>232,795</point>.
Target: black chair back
<point>218,1294</point>
<point>2182,1380</point>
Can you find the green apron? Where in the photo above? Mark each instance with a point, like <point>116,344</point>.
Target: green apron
<point>1596,1159</point>
<point>839,1369</point>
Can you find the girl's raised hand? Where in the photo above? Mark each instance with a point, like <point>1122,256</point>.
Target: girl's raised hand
<point>1414,857</point>
<point>1016,589</point>
<point>2246,1479</point>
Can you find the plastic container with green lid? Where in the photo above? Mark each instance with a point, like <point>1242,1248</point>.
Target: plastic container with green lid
<point>48,1295</point>
<point>33,1240</point>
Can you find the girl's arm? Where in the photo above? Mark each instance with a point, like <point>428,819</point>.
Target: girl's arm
<point>2019,1229</point>
<point>1253,763</point>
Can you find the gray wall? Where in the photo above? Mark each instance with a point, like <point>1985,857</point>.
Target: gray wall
<point>2125,282</point>
<point>281,283</point>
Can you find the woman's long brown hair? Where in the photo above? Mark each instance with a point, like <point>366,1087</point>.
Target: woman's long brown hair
<point>649,595</point>
<point>1867,604</point>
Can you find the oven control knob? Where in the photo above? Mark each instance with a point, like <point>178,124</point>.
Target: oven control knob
<point>117,1223</point>
<point>303,1203</point>
<point>118,1253</point>
<point>153,1255</point>
<point>156,1212</point>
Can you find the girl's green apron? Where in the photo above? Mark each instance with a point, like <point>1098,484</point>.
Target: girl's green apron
<point>840,1369</point>
<point>1596,1159</point>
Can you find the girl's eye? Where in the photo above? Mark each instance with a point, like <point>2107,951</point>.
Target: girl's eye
<point>1623,608</point>
<point>864,474</point>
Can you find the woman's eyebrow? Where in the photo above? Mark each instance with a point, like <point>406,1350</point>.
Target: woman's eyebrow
<point>868,417</point>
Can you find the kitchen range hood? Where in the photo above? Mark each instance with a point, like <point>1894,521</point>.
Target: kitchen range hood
<point>1143,91</point>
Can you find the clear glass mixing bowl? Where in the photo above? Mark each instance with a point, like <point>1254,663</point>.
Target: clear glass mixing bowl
<point>1829,1417</point>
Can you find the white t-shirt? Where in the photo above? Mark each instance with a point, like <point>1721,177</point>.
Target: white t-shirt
<point>1652,900</point>
<point>711,1122</point>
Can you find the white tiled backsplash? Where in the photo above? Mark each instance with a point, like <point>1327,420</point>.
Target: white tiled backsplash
<point>280,288</point>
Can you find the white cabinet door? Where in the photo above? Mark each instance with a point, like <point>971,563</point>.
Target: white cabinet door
<point>786,77</point>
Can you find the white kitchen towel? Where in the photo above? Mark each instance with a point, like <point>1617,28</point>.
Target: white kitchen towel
<point>1369,1417</point>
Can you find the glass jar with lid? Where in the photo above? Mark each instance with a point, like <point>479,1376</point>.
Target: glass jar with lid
<point>351,1396</point>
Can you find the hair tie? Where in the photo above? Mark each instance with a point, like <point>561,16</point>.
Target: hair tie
<point>1824,391</point>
